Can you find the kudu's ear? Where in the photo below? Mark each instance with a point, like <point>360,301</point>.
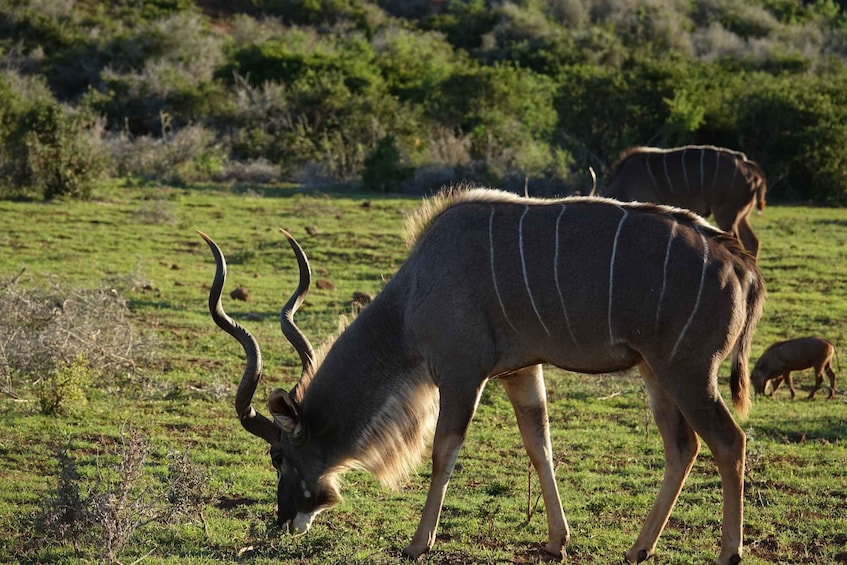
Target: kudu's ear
<point>285,413</point>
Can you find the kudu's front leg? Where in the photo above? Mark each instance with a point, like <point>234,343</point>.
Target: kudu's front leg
<point>528,396</point>
<point>456,410</point>
<point>748,238</point>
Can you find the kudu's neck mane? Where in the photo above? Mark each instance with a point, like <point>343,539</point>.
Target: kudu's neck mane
<point>378,403</point>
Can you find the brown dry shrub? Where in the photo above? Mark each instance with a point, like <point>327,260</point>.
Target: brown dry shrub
<point>43,330</point>
<point>100,515</point>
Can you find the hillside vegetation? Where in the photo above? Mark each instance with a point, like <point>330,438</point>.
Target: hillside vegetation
<point>409,95</point>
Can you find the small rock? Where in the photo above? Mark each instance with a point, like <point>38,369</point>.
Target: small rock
<point>240,293</point>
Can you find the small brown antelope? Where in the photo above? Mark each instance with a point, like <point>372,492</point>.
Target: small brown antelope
<point>782,357</point>
<point>702,178</point>
<point>494,285</point>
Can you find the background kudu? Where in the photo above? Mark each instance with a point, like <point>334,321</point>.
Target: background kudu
<point>495,285</point>
<point>701,178</point>
<point>782,357</point>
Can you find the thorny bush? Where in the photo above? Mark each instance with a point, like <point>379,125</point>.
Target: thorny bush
<point>43,330</point>
<point>123,497</point>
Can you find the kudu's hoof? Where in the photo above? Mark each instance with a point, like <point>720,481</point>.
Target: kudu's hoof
<point>548,556</point>
<point>639,557</point>
<point>413,553</point>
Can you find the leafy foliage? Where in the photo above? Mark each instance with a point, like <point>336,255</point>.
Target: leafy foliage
<point>63,390</point>
<point>383,169</point>
<point>531,88</point>
<point>44,149</point>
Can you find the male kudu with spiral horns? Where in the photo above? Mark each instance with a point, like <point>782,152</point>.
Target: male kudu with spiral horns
<point>495,285</point>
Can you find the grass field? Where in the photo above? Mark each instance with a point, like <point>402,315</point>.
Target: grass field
<point>142,243</point>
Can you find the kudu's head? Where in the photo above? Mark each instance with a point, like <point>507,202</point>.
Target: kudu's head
<point>758,184</point>
<point>303,486</point>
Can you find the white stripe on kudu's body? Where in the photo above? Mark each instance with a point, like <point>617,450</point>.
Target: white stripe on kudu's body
<point>730,185</point>
<point>652,176</point>
<point>667,176</point>
<point>612,273</point>
<point>465,307</point>
<point>493,270</point>
<point>525,275</point>
<point>717,168</point>
<point>699,294</point>
<point>665,272</point>
<point>556,254</point>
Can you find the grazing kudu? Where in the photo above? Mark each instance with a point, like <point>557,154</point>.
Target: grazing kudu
<point>782,357</point>
<point>494,285</point>
<point>702,178</point>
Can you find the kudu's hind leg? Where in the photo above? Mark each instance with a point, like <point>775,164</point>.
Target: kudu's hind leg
<point>681,448</point>
<point>528,396</point>
<point>705,411</point>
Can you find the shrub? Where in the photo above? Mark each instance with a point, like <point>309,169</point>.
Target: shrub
<point>506,110</point>
<point>256,171</point>
<point>464,23</point>
<point>414,64</point>
<point>45,149</point>
<point>165,66</point>
<point>55,157</point>
<point>188,154</point>
<point>122,499</point>
<point>383,169</point>
<point>63,390</point>
<point>68,334</point>
<point>797,132</point>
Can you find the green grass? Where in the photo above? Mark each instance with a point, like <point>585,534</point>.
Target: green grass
<point>143,242</point>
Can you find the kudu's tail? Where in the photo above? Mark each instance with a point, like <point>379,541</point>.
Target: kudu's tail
<point>739,379</point>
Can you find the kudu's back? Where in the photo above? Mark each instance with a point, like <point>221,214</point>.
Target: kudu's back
<point>700,178</point>
<point>588,284</point>
<point>705,179</point>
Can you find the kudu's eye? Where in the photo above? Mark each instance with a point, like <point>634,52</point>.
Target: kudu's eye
<point>277,461</point>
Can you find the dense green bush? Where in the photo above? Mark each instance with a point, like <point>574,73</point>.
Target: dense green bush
<point>798,131</point>
<point>54,156</point>
<point>45,150</point>
<point>383,169</point>
<point>485,90</point>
